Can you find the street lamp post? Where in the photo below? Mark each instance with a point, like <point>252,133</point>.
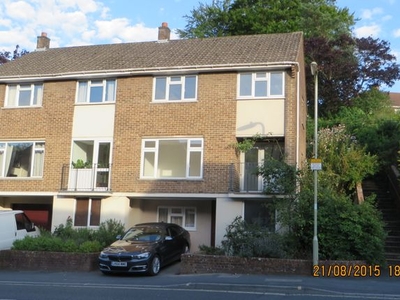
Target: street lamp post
<point>314,72</point>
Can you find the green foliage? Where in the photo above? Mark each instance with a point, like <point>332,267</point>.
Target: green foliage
<point>278,176</point>
<point>346,231</point>
<point>207,250</point>
<point>251,240</point>
<point>66,238</point>
<point>80,164</point>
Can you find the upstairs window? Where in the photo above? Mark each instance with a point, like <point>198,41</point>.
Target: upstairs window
<point>261,85</point>
<point>21,159</point>
<point>96,91</point>
<point>24,95</point>
<point>175,88</point>
<point>172,158</point>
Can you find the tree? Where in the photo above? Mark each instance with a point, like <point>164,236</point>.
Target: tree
<point>241,17</point>
<point>348,66</point>
<point>6,56</point>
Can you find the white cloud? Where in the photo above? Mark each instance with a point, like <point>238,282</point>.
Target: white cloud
<point>121,30</point>
<point>20,10</point>
<point>365,31</point>
<point>367,14</point>
<point>396,33</point>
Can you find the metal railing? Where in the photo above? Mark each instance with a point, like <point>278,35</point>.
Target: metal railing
<point>97,178</point>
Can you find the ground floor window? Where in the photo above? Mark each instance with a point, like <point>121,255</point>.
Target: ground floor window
<point>87,212</point>
<point>183,216</point>
<point>260,213</point>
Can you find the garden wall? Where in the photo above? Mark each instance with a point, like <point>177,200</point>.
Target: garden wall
<point>47,261</point>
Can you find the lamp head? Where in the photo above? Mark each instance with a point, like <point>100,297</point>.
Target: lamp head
<point>314,68</point>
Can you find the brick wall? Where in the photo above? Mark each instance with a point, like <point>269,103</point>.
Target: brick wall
<point>52,123</point>
<point>212,117</point>
<point>47,261</point>
<point>203,264</point>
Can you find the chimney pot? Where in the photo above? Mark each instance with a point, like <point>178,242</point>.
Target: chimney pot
<point>164,33</point>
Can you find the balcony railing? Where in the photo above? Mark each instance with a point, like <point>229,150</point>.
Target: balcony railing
<point>94,179</point>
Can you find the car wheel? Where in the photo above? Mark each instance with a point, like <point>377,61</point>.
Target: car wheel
<point>155,265</point>
<point>184,250</point>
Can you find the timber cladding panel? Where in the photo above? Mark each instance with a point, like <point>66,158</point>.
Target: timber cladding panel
<point>212,117</point>
<point>51,123</point>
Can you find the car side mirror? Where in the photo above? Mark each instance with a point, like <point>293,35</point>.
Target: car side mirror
<point>168,238</point>
<point>119,237</point>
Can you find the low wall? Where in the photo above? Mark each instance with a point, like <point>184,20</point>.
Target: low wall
<point>202,264</point>
<point>47,261</point>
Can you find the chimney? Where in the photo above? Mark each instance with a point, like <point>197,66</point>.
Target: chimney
<point>43,42</point>
<point>164,32</point>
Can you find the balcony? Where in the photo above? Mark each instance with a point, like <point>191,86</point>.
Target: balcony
<point>94,179</point>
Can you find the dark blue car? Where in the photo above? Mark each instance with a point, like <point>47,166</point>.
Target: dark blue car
<point>145,248</point>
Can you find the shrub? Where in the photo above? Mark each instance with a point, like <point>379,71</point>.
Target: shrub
<point>252,240</point>
<point>66,238</point>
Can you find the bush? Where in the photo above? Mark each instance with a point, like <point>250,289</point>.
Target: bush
<point>66,238</point>
<point>252,240</point>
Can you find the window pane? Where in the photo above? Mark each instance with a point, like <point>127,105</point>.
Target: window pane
<point>12,93</point>
<point>277,84</point>
<point>82,92</point>
<point>18,159</point>
<point>110,90</point>
<point>150,144</point>
<point>24,98</point>
<point>190,87</point>
<point>2,155</point>
<point>38,94</point>
<point>172,158</point>
<point>81,213</point>
<point>95,212</point>
<point>38,163</point>
<point>260,89</point>
<point>96,94</point>
<point>163,214</point>
<point>190,217</point>
<point>148,164</point>
<point>245,85</point>
<point>196,143</point>
<point>161,85</point>
<point>177,220</point>
<point>175,92</point>
<point>176,210</point>
<point>195,164</point>
<point>104,155</point>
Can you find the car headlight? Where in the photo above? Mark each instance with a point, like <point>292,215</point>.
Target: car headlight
<point>141,255</point>
<point>103,255</point>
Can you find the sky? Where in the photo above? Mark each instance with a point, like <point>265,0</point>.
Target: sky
<point>92,22</point>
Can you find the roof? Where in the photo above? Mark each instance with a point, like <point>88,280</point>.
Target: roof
<point>186,54</point>
<point>395,99</point>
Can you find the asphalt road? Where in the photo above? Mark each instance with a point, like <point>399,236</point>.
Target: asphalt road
<point>35,285</point>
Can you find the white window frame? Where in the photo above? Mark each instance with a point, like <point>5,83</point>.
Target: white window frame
<point>155,150</point>
<point>36,97</point>
<point>37,148</point>
<point>85,99</point>
<point>256,78</point>
<point>183,215</point>
<point>169,82</point>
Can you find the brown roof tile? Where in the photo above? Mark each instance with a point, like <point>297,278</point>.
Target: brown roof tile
<point>174,54</point>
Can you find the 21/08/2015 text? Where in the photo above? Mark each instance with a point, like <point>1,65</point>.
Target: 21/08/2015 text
<point>350,271</point>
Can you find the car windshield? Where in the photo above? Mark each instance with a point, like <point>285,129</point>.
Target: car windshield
<point>143,234</point>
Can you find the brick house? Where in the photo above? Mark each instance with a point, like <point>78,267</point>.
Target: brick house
<point>144,131</point>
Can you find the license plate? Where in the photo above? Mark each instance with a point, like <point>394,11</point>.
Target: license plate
<point>119,263</point>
